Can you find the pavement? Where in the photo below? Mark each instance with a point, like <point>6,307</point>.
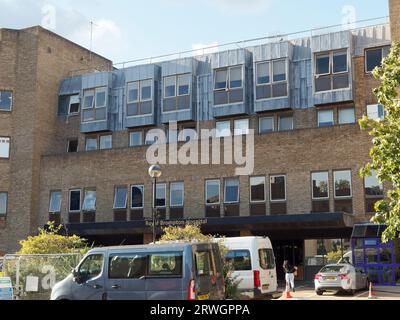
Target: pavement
<point>306,292</point>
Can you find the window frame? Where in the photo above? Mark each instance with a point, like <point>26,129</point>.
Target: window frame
<point>68,144</point>
<point>69,200</point>
<point>115,197</point>
<point>94,106</point>
<point>60,203</point>
<point>216,130</point>
<point>206,192</point>
<point>259,124</point>
<point>141,99</point>
<point>265,190</point>
<point>256,73</point>
<point>279,123</point>
<point>183,194</point>
<point>12,100</point>
<point>130,139</point>
<point>226,69</point>
<point>164,87</point>
<point>351,184</point>
<point>318,118</point>
<point>91,138</point>
<point>270,188</point>
<point>155,196</point>
<point>141,186</point>
<point>102,137</point>
<point>368,196</point>
<point>85,95</point>
<point>238,193</point>
<point>271,78</point>
<point>373,49</point>
<point>9,148</point>
<point>86,192</point>
<point>6,204</point>
<point>312,186</point>
<point>347,108</point>
<point>178,86</point>
<point>234,127</point>
<point>69,105</point>
<point>101,90</point>
<point>228,78</point>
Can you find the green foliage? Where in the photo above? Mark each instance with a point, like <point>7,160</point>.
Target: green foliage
<point>50,242</point>
<point>334,256</point>
<point>385,152</point>
<point>192,232</point>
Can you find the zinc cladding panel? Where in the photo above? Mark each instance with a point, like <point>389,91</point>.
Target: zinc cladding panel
<point>179,66</point>
<point>71,86</point>
<point>371,37</point>
<point>95,80</point>
<point>331,41</point>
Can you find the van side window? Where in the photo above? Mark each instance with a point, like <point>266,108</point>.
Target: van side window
<point>240,260</point>
<point>165,264</point>
<point>267,259</point>
<point>203,263</point>
<point>131,266</point>
<point>91,267</point>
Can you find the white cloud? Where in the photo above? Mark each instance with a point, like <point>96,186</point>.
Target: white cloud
<point>241,7</point>
<point>204,48</point>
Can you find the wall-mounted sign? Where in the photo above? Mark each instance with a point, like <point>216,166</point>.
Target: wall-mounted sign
<point>176,223</point>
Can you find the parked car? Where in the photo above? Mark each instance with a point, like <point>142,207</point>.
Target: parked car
<point>184,271</point>
<point>253,262</point>
<point>340,277</point>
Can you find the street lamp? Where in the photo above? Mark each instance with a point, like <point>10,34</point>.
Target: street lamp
<point>155,172</point>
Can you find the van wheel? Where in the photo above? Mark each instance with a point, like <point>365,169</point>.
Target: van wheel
<point>319,293</point>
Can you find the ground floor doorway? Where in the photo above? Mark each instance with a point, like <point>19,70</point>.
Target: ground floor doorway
<point>293,251</point>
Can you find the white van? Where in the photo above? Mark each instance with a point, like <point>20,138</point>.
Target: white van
<point>253,262</point>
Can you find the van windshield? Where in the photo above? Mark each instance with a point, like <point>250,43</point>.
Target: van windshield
<point>267,259</point>
<point>165,264</point>
<point>239,260</point>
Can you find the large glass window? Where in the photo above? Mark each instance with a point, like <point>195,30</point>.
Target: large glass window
<point>325,118</point>
<point>161,195</point>
<point>4,148</point>
<point>135,139</point>
<point>129,266</point>
<point>133,92</point>
<point>372,186</point>
<point>239,260</point>
<point>177,90</point>
<point>105,142</point>
<point>347,116</point>
<point>168,264</point>
<point>120,198</point>
<point>75,200</point>
<point>278,188</point>
<point>139,98</point>
<point>184,84</point>
<point>137,201</point>
<point>221,79</point>
<point>271,79</point>
<point>257,189</point>
<point>95,105</point>
<point>340,61</point>
<point>343,188</point>
<point>170,87</point>
<point>232,190</point>
<point>235,77</point>
<point>91,144</point>
<point>177,194</point>
<point>331,71</point>
<point>212,192</point>
<point>267,125</point>
<point>279,70</point>
<point>223,129</point>
<point>92,267</point>
<point>267,259</point>
<point>5,100</point>
<point>322,64</point>
<point>89,203</point>
<point>263,73</point>
<point>375,112</point>
<point>3,203</point>
<point>55,202</point>
<point>320,185</point>
<point>228,85</point>
<point>241,127</point>
<point>285,123</point>
<point>146,90</point>
<point>374,57</point>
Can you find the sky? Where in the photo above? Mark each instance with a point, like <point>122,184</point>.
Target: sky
<point>125,30</point>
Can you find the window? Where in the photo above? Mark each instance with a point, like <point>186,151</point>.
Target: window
<point>129,266</point>
<point>320,185</point>
<point>285,123</point>
<point>55,202</point>
<point>331,71</point>
<point>89,203</point>
<point>177,93</point>
<point>223,129</point>
<point>343,187</point>
<point>177,194</point>
<point>105,142</point>
<point>274,86</point>
<point>187,134</point>
<point>228,85</point>
<point>241,127</point>
<point>3,203</point>
<point>347,116</point>
<point>372,186</point>
<point>92,267</point>
<point>278,188</point>
<point>137,197</point>
<point>375,112</point>
<point>75,200</point>
<point>73,145</point>
<point>139,98</point>
<point>257,189</point>
<point>135,139</point>
<point>161,195</point>
<point>184,84</point>
<point>212,192</point>
<point>374,57</point>
<point>239,260</point>
<point>120,198</point>
<point>91,144</point>
<point>95,105</point>
<point>74,105</point>
<point>232,190</point>
<point>151,138</point>
<point>267,125</point>
<point>169,87</point>
<point>267,259</point>
<point>203,263</point>
<point>4,148</point>
<point>168,264</point>
<point>6,99</point>
<point>325,118</point>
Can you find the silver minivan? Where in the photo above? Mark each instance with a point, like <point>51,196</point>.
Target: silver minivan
<point>179,271</point>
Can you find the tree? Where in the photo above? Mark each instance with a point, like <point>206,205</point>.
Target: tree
<point>192,232</point>
<point>385,152</point>
<point>51,242</point>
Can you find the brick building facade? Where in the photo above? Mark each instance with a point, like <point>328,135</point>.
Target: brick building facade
<point>75,159</point>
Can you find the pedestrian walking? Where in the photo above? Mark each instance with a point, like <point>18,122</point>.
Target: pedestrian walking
<point>290,271</point>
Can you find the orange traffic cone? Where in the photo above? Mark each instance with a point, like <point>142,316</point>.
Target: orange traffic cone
<point>371,293</point>
<point>287,292</point>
